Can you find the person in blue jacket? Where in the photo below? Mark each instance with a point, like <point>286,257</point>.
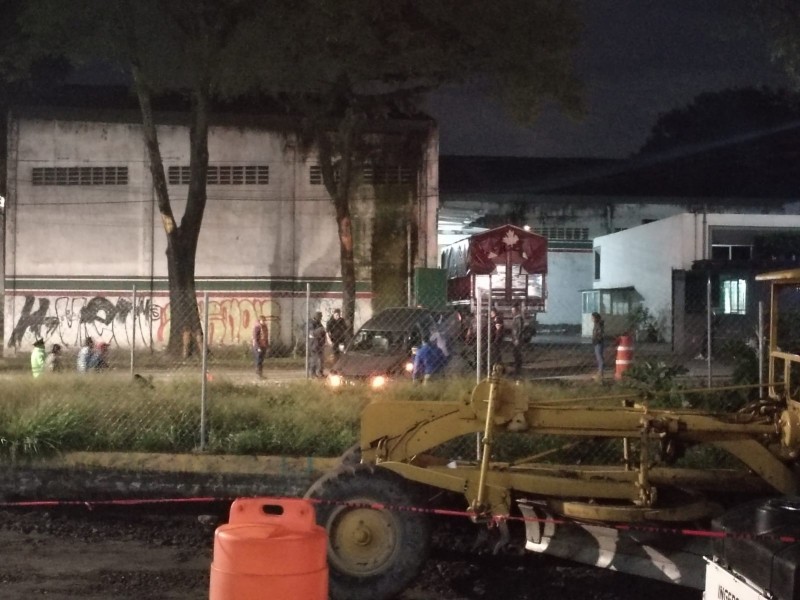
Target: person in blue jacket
<point>428,361</point>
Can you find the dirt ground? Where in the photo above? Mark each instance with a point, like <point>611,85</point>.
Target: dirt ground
<point>126,554</point>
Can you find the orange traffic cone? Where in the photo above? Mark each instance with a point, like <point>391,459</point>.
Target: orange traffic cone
<point>270,549</point>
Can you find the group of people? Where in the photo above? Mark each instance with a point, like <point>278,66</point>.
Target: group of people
<point>91,357</point>
<point>491,349</point>
<point>318,335</point>
<point>45,362</point>
<point>335,329</point>
<point>434,353</point>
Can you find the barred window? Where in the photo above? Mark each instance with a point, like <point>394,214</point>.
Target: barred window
<point>372,174</point>
<point>223,175</point>
<point>79,176</point>
<point>315,175</point>
<point>387,174</point>
<point>575,234</point>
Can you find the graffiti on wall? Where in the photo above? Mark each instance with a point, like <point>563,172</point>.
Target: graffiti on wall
<point>68,320</point>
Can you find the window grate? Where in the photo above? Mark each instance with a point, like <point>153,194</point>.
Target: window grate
<point>223,175</point>
<point>387,174</point>
<point>372,174</point>
<point>575,234</point>
<point>79,176</point>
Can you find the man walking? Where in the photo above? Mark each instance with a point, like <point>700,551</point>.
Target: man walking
<point>337,330</point>
<point>316,346</point>
<point>428,361</point>
<point>260,344</point>
<point>598,343</point>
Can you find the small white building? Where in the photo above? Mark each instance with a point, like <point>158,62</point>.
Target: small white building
<point>83,228</point>
<point>646,267</point>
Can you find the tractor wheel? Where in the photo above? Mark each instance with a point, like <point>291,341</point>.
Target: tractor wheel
<point>373,553</point>
<point>351,456</point>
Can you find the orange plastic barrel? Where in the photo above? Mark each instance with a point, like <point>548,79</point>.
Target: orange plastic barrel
<point>269,549</point>
<point>624,355</point>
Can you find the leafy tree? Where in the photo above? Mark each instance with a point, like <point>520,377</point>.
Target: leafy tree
<point>779,20</point>
<point>718,116</point>
<point>345,65</point>
<point>355,63</point>
<point>177,45</point>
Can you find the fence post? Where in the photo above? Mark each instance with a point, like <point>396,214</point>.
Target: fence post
<point>204,384</point>
<point>760,348</point>
<point>708,330</point>
<point>478,338</point>
<point>489,325</point>
<point>133,330</point>
<point>409,264</point>
<point>308,318</point>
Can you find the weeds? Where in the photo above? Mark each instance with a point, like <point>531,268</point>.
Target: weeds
<point>657,383</point>
<point>113,413</point>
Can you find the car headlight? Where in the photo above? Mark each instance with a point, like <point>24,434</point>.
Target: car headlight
<point>335,381</point>
<point>378,382</point>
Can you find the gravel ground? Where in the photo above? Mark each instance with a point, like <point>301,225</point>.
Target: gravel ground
<point>131,553</point>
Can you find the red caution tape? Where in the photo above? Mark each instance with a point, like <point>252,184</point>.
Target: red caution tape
<point>495,519</point>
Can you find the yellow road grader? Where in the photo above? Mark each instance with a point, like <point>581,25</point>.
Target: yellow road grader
<point>678,489</point>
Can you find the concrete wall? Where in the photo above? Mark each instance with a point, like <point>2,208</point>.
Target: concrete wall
<point>569,272</point>
<point>644,257</point>
<point>74,252</point>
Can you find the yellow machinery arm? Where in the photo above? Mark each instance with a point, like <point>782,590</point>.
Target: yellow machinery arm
<point>397,435</point>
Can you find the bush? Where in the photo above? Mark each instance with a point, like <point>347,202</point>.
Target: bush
<point>656,382</point>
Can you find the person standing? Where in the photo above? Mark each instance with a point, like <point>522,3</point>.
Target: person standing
<point>598,342</point>
<point>316,346</point>
<point>260,344</point>
<point>495,336</point>
<point>85,355</point>
<point>98,361</point>
<point>337,330</point>
<point>428,361</point>
<point>53,361</point>
<point>37,358</point>
<point>517,336</point>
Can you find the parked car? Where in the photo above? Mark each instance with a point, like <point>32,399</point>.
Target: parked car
<point>382,349</point>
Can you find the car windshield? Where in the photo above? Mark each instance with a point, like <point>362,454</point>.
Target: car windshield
<point>379,342</point>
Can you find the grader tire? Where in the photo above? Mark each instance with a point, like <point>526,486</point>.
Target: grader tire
<point>373,553</point>
<point>351,457</point>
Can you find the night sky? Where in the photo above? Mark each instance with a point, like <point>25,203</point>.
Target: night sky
<point>638,59</point>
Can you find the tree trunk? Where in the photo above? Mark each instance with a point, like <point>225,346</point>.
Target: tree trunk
<point>185,331</point>
<point>340,180</point>
<point>348,263</point>
<point>185,334</point>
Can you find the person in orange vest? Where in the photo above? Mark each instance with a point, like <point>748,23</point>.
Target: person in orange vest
<point>598,343</point>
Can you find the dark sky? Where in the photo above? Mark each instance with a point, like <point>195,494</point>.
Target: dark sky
<point>638,59</point>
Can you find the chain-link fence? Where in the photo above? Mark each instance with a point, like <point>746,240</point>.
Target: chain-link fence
<point>184,360</point>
